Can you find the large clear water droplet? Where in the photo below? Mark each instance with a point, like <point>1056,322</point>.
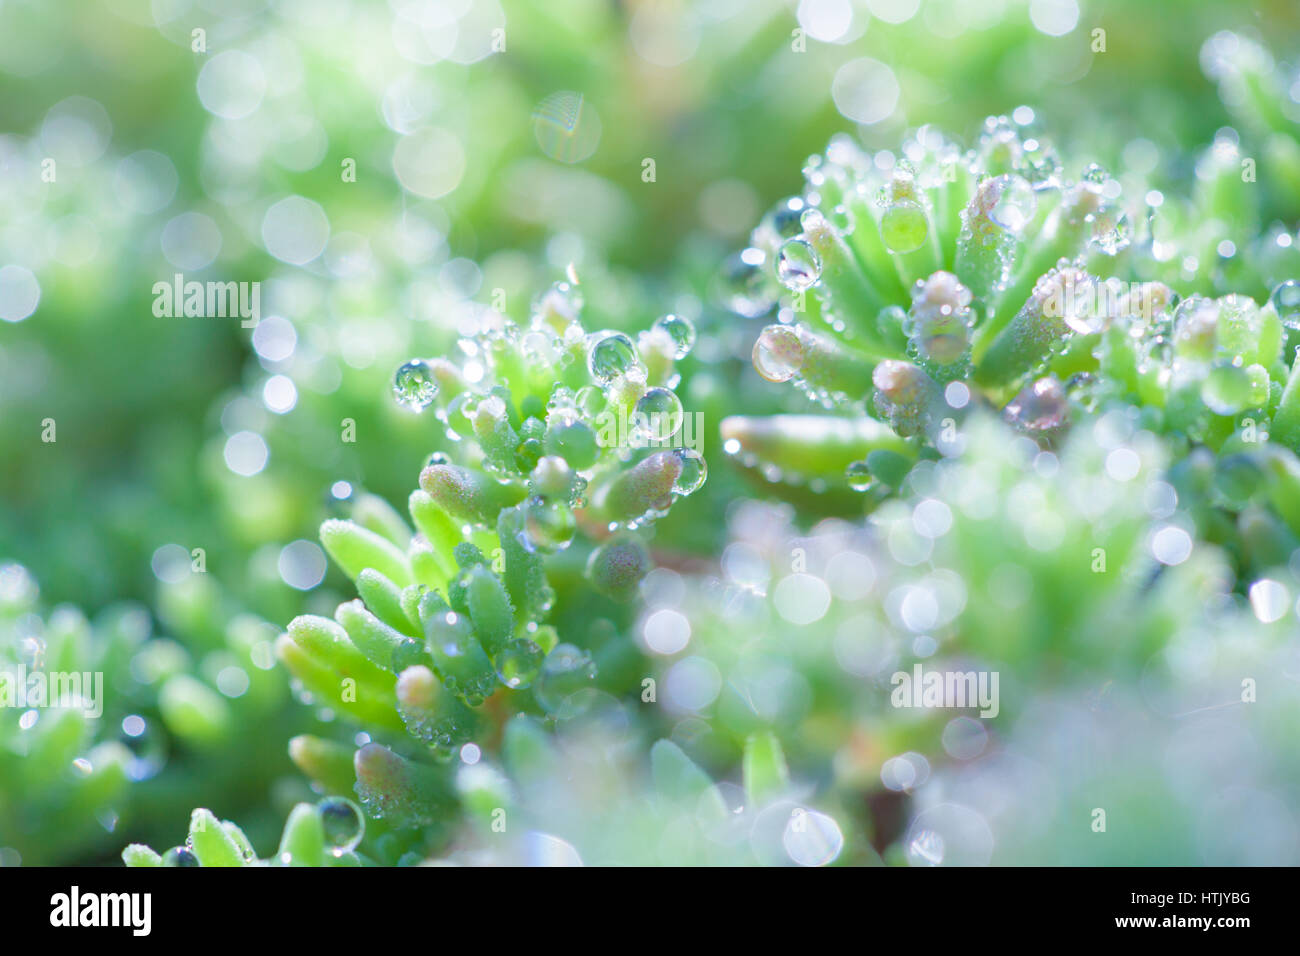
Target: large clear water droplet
<point>680,331</point>
<point>611,355</point>
<point>694,471</point>
<point>414,385</point>
<point>778,353</point>
<point>548,525</point>
<point>518,663</point>
<point>798,265</point>
<point>657,415</point>
<point>1286,302</point>
<point>1094,173</point>
<point>1040,407</point>
<point>903,227</point>
<point>1111,235</point>
<point>552,478</point>
<point>343,824</point>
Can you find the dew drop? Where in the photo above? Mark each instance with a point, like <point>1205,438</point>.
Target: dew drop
<point>180,856</point>
<point>518,663</point>
<point>694,471</point>
<point>1226,389</point>
<point>1039,407</point>
<point>343,824</point>
<point>657,415</point>
<point>680,330</point>
<point>548,525</point>
<point>798,265</point>
<point>612,354</point>
<point>553,478</point>
<point>1111,233</point>
<point>903,227</point>
<point>414,386</point>
<point>1095,174</point>
<point>1286,302</point>
<point>859,476</point>
<point>778,353</point>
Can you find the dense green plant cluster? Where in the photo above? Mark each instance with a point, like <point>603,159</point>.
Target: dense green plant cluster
<point>553,429</point>
<point>924,289</point>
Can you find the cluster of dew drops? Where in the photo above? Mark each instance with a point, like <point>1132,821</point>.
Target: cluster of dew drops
<point>614,364</point>
<point>1019,166</point>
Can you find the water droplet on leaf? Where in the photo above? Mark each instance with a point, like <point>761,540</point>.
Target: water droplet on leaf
<point>693,474</point>
<point>657,415</point>
<point>680,331</point>
<point>1286,302</point>
<point>798,265</point>
<point>1040,407</point>
<point>1226,389</point>
<point>611,355</point>
<point>518,663</point>
<point>903,227</point>
<point>343,824</point>
<point>414,386</point>
<point>778,353</point>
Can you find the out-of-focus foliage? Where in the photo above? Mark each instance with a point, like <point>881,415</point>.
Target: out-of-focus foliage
<point>106,726</point>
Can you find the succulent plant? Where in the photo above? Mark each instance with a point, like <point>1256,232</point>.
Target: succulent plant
<point>913,289</point>
<point>556,430</point>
